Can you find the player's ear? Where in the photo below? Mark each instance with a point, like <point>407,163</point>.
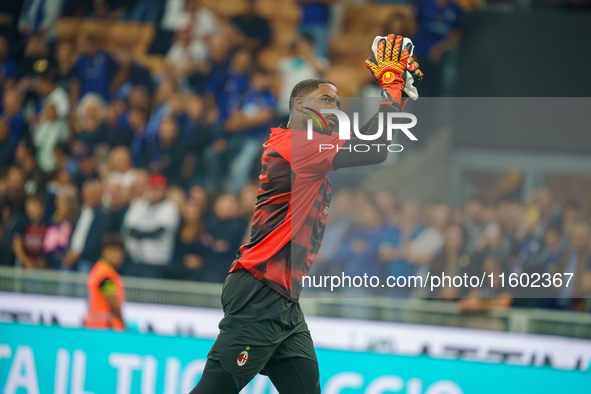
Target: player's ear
<point>298,104</point>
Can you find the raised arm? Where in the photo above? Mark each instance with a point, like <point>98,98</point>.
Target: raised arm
<point>392,69</point>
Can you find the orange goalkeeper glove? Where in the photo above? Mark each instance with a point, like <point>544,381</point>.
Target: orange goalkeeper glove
<point>392,61</point>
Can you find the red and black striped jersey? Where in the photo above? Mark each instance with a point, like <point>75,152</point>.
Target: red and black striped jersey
<point>291,209</point>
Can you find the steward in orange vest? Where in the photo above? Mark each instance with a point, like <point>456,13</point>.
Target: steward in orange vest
<point>106,293</point>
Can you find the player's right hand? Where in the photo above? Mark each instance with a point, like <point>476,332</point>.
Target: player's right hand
<point>389,66</point>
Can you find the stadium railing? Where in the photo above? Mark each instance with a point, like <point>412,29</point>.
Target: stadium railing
<point>416,311</point>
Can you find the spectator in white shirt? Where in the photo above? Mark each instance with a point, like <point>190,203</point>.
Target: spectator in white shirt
<point>302,63</point>
<point>422,249</point>
<point>47,134</point>
<point>50,92</point>
<point>149,230</point>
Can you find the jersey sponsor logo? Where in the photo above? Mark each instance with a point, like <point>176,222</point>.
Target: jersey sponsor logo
<point>242,357</point>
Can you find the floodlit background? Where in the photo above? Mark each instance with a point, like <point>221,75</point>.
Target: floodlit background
<point>99,94</point>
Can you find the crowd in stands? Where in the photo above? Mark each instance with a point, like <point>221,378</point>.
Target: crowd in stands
<point>375,234</point>
<point>94,141</point>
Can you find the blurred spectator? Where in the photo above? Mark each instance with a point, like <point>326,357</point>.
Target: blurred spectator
<point>248,127</point>
<point>57,236</point>
<point>359,254</point>
<point>315,23</point>
<point>121,171</point>
<point>195,18</point>
<point>439,31</point>
<point>427,243</point>
<point>491,241</point>
<point>94,70</point>
<point>8,68</point>
<point>47,133</point>
<point>451,260</point>
<point>140,185</point>
<point>473,221</point>
<point>301,63</point>
<point>6,146</point>
<point>490,297</point>
<point>396,237</point>
<point>26,158</point>
<point>14,218</point>
<point>169,156</point>
<point>338,226</point>
<point>247,200</point>
<point>132,135</point>
<point>224,230</point>
<point>130,74</point>
<point>66,60</point>
<point>13,116</point>
<point>87,169</point>
<point>38,60</point>
<point>186,57</point>
<point>198,194</point>
<point>160,108</point>
<point>50,92</point>
<point>227,89</point>
<point>149,229</point>
<point>40,16</point>
<point>88,230</point>
<point>189,250</point>
<point>198,136</point>
<point>90,129</point>
<point>576,260</point>
<point>255,28</point>
<point>571,214</point>
<point>388,205</point>
<point>177,195</point>
<point>118,204</point>
<point>28,246</point>
<point>554,244</point>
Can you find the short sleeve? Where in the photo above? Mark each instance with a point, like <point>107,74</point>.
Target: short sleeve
<point>107,287</point>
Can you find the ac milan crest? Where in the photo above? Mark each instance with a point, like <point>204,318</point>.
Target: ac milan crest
<point>242,357</point>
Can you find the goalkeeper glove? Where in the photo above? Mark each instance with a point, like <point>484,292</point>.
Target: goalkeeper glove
<point>392,61</point>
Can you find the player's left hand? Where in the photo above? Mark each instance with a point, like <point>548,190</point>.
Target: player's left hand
<point>390,53</point>
<point>389,67</point>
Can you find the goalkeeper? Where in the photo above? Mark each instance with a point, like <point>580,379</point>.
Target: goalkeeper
<point>263,329</point>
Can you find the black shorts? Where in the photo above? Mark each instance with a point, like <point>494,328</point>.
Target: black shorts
<point>260,326</point>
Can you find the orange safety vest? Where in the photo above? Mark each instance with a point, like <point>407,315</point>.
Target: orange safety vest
<point>99,312</point>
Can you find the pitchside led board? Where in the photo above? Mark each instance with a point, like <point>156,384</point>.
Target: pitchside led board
<point>37,359</point>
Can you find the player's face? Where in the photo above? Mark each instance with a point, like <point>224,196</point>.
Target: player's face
<point>325,97</point>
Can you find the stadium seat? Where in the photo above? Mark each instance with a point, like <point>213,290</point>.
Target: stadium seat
<point>68,28</point>
<point>155,63</point>
<point>346,78</point>
<point>130,34</point>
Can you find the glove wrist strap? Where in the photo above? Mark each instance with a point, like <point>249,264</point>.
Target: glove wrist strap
<point>392,96</point>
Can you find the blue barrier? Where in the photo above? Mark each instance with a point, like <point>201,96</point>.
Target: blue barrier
<point>44,360</point>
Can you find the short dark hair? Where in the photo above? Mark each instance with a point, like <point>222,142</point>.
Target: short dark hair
<point>113,240</point>
<point>305,87</point>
